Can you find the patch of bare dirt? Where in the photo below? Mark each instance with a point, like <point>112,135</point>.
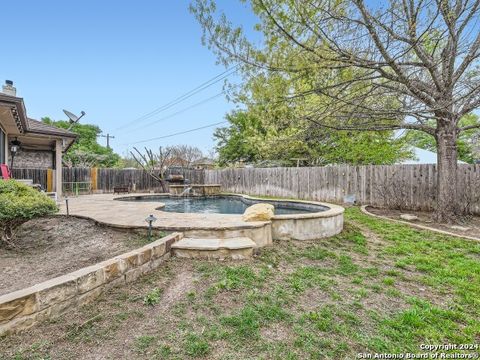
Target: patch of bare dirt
<point>182,284</point>
<point>175,288</point>
<point>277,332</point>
<point>110,328</point>
<point>53,246</point>
<point>466,226</point>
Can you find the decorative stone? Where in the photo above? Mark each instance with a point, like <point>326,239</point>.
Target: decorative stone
<point>56,290</point>
<point>258,212</point>
<point>18,324</point>
<point>156,263</point>
<point>58,309</point>
<point>158,250</point>
<point>112,269</point>
<point>145,254</point>
<point>120,281</point>
<point>17,303</point>
<point>89,296</point>
<point>459,228</point>
<point>408,217</point>
<point>89,278</point>
<point>131,259</point>
<point>134,274</point>
<point>238,248</point>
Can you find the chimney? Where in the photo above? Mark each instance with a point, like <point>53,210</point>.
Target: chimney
<point>9,89</point>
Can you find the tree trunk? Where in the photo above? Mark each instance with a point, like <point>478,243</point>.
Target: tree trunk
<point>446,136</point>
<point>164,187</point>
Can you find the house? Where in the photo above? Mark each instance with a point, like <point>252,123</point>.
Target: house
<point>204,164</point>
<point>38,145</point>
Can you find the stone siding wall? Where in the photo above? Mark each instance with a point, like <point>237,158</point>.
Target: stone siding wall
<point>24,308</point>
<point>33,159</point>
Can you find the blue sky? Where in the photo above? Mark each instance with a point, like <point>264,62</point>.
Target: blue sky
<point>116,60</point>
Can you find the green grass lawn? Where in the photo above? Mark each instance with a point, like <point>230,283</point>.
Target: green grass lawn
<point>377,287</point>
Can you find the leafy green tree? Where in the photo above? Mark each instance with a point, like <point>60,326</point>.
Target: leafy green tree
<point>375,66</point>
<point>86,151</point>
<point>246,139</point>
<point>236,142</point>
<point>274,127</point>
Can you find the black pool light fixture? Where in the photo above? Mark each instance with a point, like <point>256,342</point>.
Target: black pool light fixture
<point>150,220</point>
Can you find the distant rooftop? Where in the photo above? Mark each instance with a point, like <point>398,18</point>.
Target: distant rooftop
<point>204,161</point>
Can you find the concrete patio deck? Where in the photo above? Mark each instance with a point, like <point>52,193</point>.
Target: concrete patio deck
<point>131,214</point>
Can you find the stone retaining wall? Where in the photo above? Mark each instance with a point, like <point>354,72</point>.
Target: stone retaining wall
<point>24,308</point>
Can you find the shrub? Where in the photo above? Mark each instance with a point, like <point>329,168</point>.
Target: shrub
<point>18,204</point>
<point>153,297</point>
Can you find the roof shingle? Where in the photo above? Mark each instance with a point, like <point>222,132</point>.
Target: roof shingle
<point>41,127</point>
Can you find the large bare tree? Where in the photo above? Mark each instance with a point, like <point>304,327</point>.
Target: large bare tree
<point>154,163</point>
<point>398,64</point>
<point>186,155</point>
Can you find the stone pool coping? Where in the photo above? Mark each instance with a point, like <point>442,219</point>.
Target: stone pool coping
<point>333,210</point>
<point>24,308</point>
<point>186,185</point>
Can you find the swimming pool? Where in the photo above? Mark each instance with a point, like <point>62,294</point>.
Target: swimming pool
<point>225,205</point>
<point>293,219</point>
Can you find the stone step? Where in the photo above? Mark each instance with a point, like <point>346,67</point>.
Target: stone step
<point>237,248</point>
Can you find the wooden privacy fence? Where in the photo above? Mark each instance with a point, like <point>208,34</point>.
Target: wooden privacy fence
<point>103,179</point>
<point>39,176</point>
<point>398,186</point>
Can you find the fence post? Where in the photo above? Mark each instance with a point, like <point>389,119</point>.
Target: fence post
<point>49,180</point>
<point>94,178</point>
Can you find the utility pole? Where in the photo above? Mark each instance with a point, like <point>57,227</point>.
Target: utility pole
<point>108,136</point>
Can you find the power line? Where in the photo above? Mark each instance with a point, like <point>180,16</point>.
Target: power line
<point>108,136</point>
<point>178,133</point>
<point>180,111</point>
<point>185,96</point>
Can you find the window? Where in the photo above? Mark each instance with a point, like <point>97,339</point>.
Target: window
<point>3,140</point>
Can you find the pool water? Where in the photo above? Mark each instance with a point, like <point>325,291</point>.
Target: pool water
<point>218,205</point>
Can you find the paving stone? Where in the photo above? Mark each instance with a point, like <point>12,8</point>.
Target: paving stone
<point>408,217</point>
<point>460,228</point>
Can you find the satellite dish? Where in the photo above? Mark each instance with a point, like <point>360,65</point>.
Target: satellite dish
<point>72,117</point>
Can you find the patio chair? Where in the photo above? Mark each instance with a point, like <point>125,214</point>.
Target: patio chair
<point>5,172</point>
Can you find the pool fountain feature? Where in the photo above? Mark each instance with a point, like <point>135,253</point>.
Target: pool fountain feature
<point>195,189</point>
<point>187,191</point>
